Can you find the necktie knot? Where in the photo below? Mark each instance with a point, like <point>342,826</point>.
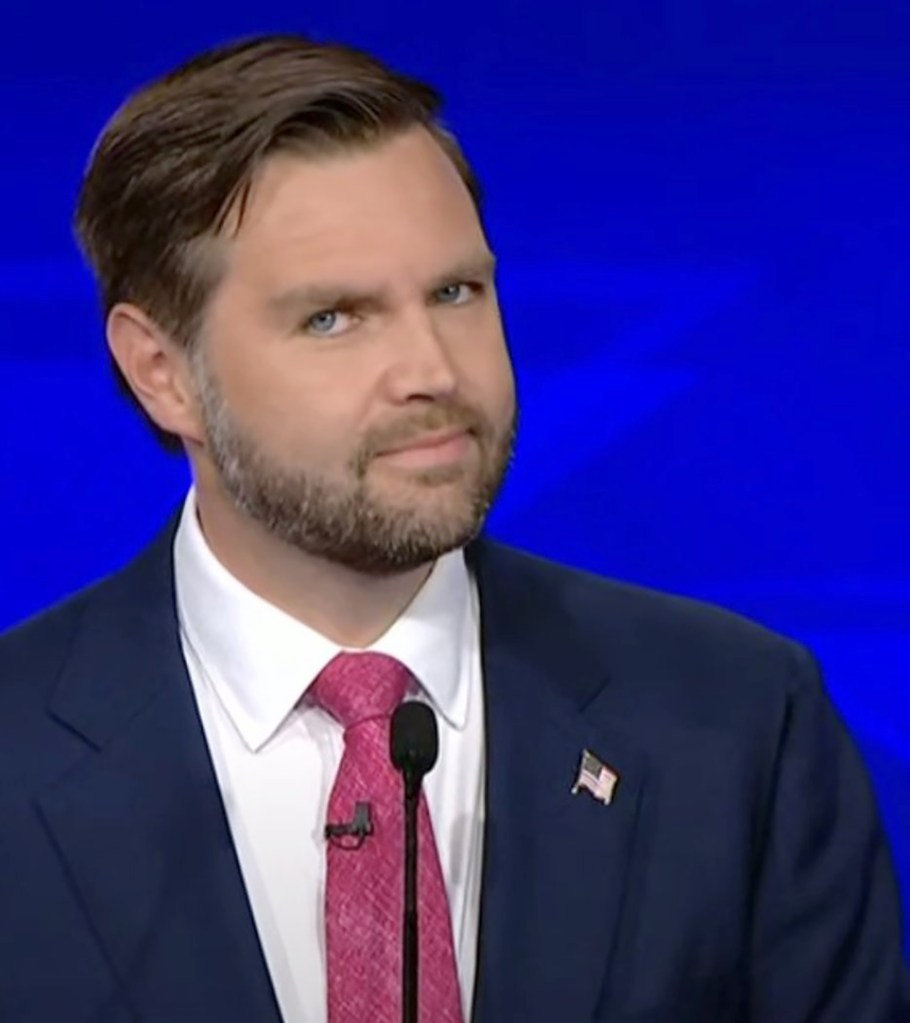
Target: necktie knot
<point>361,686</point>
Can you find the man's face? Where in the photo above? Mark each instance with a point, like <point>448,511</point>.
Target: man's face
<point>354,382</point>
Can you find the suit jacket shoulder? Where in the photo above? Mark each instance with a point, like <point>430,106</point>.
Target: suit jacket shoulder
<point>743,834</point>
<point>686,656</point>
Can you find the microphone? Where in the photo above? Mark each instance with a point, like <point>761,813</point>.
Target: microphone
<point>414,742</point>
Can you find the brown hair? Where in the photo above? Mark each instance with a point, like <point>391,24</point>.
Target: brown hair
<point>180,155</point>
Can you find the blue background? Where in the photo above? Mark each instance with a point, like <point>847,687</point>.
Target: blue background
<point>701,209</point>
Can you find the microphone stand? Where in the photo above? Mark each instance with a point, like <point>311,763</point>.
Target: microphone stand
<point>410,949</point>
<point>414,747</point>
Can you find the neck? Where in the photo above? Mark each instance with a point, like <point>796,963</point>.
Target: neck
<point>348,607</point>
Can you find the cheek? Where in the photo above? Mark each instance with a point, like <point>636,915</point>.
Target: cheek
<point>289,412</point>
<point>494,378</point>
<point>273,390</point>
<point>268,400</point>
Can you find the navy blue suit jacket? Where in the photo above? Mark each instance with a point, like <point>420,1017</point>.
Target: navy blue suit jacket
<point>739,873</point>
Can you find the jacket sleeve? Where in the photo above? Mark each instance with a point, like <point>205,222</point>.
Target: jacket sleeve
<point>826,942</point>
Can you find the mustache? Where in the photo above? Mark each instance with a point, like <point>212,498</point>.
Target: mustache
<point>451,415</point>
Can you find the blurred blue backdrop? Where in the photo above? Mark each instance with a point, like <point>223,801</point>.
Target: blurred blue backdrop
<point>701,209</point>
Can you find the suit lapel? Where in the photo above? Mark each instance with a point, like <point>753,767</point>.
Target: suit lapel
<point>554,863</point>
<point>140,827</point>
<point>139,823</point>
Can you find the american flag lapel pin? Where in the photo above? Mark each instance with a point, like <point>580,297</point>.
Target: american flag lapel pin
<point>595,778</point>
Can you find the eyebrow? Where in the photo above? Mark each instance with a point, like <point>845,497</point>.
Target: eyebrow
<point>326,295</point>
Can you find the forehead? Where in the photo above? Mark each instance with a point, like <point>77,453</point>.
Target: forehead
<point>397,204</point>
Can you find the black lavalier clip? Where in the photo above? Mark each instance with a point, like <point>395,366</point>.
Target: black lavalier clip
<point>352,834</point>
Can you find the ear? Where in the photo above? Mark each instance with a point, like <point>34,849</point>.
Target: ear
<point>156,369</point>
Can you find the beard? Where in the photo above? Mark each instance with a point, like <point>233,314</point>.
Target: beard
<point>345,521</point>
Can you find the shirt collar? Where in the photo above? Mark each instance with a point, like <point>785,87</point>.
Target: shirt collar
<point>260,660</point>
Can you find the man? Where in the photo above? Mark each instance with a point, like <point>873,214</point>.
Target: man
<point>644,809</point>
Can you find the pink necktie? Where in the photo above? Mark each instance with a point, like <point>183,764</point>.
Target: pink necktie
<point>365,885</point>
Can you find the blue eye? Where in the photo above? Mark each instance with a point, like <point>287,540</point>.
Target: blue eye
<point>455,294</point>
<point>327,323</point>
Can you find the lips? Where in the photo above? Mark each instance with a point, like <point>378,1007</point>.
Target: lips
<point>426,441</point>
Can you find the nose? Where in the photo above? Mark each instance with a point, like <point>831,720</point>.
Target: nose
<point>421,365</point>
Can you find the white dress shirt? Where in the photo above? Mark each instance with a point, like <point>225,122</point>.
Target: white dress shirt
<point>276,755</point>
